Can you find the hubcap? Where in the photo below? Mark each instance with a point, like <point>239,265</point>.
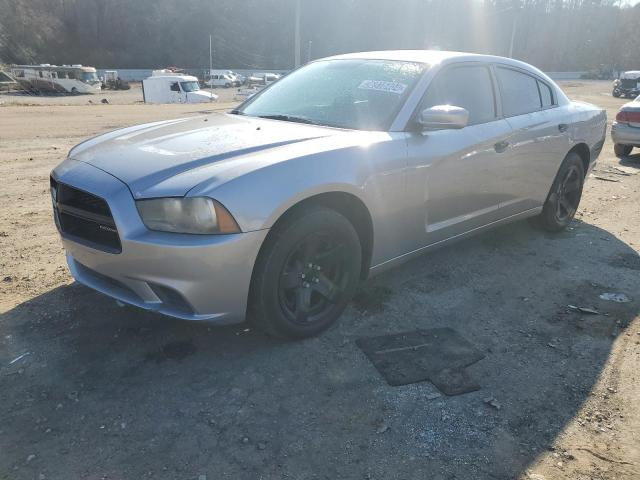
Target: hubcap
<point>313,278</point>
<point>568,194</point>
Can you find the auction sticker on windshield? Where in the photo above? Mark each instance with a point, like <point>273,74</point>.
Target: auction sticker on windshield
<point>383,86</point>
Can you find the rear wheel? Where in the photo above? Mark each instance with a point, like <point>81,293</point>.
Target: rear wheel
<point>565,194</point>
<point>622,150</point>
<point>306,274</point>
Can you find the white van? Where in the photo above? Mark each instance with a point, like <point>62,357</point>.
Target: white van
<point>219,78</point>
<point>174,89</point>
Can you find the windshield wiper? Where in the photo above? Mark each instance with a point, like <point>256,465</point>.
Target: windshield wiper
<point>289,118</point>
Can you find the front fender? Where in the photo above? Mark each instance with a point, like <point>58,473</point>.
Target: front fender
<point>374,172</point>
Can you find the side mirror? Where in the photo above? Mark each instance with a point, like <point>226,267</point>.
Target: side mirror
<point>443,117</point>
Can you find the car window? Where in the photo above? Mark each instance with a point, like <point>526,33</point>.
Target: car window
<point>545,94</point>
<point>175,87</point>
<point>468,87</point>
<point>519,92</point>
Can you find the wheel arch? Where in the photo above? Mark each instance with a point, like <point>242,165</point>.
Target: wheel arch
<point>345,203</point>
<point>582,149</point>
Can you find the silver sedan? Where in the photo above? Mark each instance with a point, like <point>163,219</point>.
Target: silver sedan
<point>346,167</point>
<point>625,131</point>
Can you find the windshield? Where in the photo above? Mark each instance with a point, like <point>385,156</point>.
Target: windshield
<point>358,94</point>
<point>190,86</point>
<point>88,77</point>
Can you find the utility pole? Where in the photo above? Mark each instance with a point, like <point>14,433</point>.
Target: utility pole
<point>297,36</point>
<point>513,32</point>
<point>210,65</point>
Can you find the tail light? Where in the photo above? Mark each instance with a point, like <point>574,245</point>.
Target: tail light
<point>626,116</point>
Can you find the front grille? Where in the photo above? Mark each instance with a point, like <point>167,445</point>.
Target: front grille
<point>84,218</point>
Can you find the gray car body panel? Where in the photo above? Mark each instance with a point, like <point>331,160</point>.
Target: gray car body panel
<point>421,189</point>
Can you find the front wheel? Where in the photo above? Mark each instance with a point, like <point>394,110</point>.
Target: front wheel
<point>306,274</point>
<point>622,150</point>
<point>564,197</point>
<point>616,93</point>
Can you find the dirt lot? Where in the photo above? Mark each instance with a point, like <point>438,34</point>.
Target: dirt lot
<point>105,392</point>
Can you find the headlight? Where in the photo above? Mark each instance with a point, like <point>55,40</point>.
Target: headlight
<point>198,215</point>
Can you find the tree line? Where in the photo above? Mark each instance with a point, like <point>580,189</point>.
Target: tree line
<point>555,35</point>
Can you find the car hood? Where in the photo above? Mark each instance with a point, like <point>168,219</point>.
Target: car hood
<point>171,157</point>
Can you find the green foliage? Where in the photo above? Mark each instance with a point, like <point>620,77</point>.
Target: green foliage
<point>552,34</point>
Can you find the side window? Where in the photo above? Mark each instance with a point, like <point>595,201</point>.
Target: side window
<point>519,92</point>
<point>175,87</point>
<point>545,94</point>
<point>468,87</point>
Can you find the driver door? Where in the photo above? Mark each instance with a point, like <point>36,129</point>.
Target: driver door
<point>454,173</point>
<point>176,94</point>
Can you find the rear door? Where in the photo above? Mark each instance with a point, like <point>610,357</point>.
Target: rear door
<point>453,173</point>
<point>539,142</point>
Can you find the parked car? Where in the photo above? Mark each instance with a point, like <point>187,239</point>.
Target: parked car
<point>344,168</point>
<point>226,80</point>
<point>112,81</point>
<point>628,85</point>
<point>625,131</point>
<point>174,88</point>
<point>262,79</point>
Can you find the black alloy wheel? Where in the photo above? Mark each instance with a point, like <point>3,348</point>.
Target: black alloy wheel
<point>306,273</point>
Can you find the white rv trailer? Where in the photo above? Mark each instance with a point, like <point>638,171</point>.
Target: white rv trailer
<point>174,88</point>
<point>58,79</point>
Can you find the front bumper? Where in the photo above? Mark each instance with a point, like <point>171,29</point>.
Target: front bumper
<point>192,277</point>
<point>625,134</point>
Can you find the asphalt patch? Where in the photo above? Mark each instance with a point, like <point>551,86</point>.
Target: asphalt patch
<point>439,355</point>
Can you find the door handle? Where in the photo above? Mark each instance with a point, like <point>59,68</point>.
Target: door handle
<point>501,146</point>
<point>563,127</point>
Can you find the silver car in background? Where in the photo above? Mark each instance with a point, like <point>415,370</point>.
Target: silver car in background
<point>625,131</point>
<point>346,167</point>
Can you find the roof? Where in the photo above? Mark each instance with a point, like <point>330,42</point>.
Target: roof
<point>631,74</point>
<point>421,56</point>
<point>173,77</point>
<point>55,67</point>
<point>430,57</point>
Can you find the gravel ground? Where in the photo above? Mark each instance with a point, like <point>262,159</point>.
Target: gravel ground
<point>91,390</point>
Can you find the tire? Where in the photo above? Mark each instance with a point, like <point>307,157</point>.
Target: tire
<point>74,91</point>
<point>306,274</point>
<point>616,93</point>
<point>564,197</point>
<point>227,85</point>
<point>622,150</point>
